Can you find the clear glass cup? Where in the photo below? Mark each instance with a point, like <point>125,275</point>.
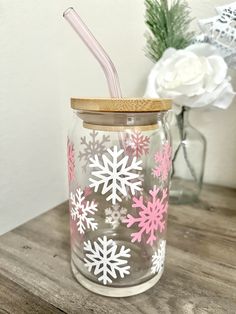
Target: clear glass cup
<point>119,160</point>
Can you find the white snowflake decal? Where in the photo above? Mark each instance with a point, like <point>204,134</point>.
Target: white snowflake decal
<point>158,258</point>
<point>104,259</point>
<point>92,147</point>
<point>115,174</point>
<point>115,215</point>
<point>128,197</point>
<point>80,209</point>
<point>151,215</point>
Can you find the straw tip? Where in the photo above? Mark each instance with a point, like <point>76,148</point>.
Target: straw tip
<point>67,11</point>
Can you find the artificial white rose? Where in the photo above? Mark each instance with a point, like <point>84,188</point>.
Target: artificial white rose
<point>194,77</point>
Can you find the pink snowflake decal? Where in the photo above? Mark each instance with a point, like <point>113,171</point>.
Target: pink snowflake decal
<point>136,144</point>
<point>151,216</point>
<point>163,161</point>
<point>73,230</point>
<point>71,160</point>
<point>87,191</point>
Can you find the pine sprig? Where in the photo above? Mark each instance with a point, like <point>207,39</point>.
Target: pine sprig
<point>168,26</point>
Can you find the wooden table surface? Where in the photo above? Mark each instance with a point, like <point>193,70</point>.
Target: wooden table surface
<point>199,277</point>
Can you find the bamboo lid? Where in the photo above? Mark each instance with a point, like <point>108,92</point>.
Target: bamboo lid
<point>121,104</point>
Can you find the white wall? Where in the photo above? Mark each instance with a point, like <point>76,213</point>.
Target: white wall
<point>43,64</point>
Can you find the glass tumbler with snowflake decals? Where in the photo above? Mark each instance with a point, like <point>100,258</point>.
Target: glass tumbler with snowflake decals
<point>119,161</point>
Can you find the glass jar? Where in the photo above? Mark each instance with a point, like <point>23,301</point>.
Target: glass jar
<point>119,160</point>
<point>189,151</point>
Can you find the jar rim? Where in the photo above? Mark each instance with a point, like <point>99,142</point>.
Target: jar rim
<point>121,104</point>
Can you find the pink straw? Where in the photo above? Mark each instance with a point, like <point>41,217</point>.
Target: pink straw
<point>97,50</point>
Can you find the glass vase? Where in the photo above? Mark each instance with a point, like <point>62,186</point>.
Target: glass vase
<point>189,151</point>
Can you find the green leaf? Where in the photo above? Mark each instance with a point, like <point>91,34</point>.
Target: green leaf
<point>168,26</point>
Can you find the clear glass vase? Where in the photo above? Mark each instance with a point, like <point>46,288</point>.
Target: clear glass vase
<point>189,150</point>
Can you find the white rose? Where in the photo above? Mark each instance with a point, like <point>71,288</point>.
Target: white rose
<point>194,77</point>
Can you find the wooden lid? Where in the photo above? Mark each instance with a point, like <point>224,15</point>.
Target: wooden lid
<point>121,104</point>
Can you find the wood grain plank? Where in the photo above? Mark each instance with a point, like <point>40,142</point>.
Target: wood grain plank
<point>15,300</point>
<point>208,234</point>
<point>218,198</point>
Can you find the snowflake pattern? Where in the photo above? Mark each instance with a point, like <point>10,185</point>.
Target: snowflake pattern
<point>158,258</point>
<point>92,147</point>
<point>151,216</point>
<point>80,209</point>
<point>70,160</point>
<point>105,260</point>
<point>115,174</point>
<point>128,197</point>
<point>136,144</point>
<point>115,215</point>
<point>163,161</point>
